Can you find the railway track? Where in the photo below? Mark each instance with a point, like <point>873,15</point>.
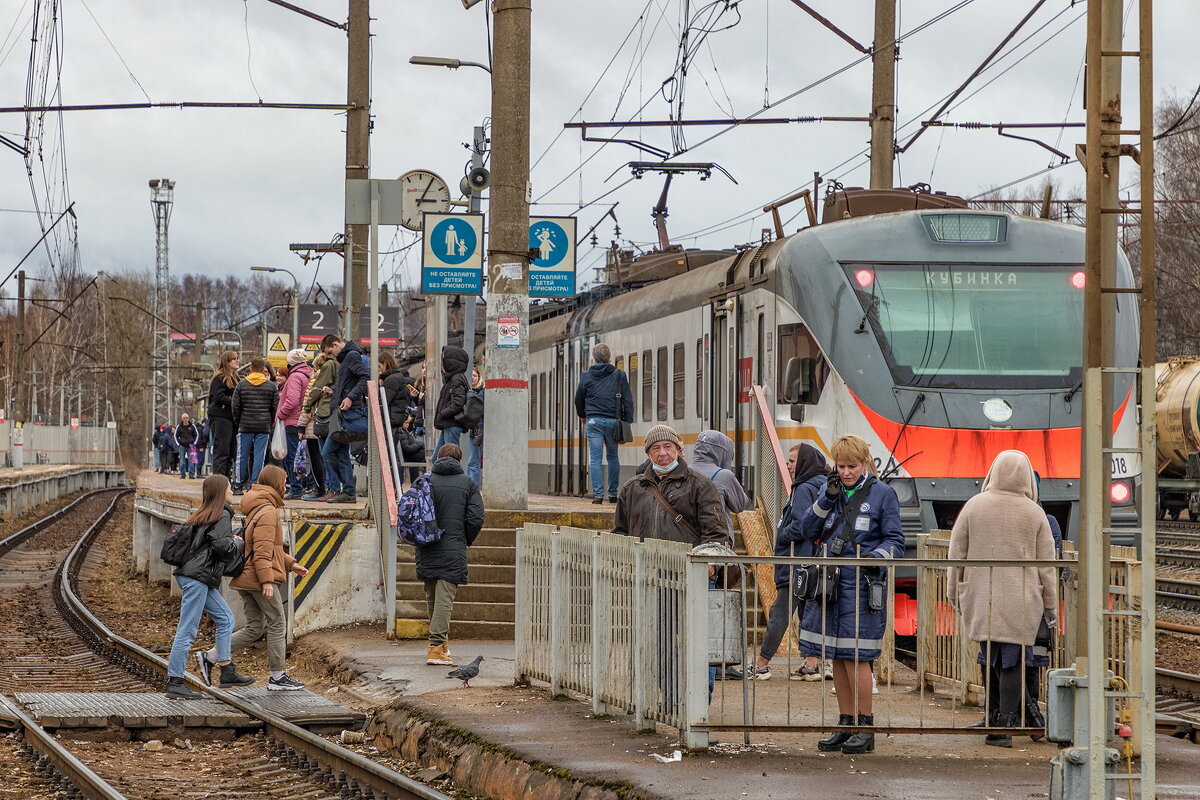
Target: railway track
<point>59,644</point>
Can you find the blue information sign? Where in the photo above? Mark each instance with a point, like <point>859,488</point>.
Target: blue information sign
<point>552,273</point>
<point>452,259</point>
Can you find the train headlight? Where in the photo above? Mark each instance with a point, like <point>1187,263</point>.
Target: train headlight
<point>1120,493</point>
<point>906,490</point>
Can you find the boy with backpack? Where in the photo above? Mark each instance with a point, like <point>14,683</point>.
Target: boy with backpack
<point>442,559</point>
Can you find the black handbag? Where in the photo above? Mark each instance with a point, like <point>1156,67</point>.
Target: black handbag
<point>624,427</point>
<point>815,581</point>
<point>321,426</point>
<point>348,427</point>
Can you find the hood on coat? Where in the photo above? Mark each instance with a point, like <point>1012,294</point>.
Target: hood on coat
<point>348,349</point>
<point>301,369</point>
<point>1011,472</point>
<point>393,371</point>
<point>809,463</point>
<point>713,447</point>
<point>447,466</point>
<point>256,379</point>
<point>454,360</point>
<point>260,495</point>
<point>600,370</point>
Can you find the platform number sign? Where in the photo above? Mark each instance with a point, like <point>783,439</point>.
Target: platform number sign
<point>316,321</point>
<point>389,326</point>
<point>552,272</point>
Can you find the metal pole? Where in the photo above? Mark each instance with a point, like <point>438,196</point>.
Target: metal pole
<point>478,145</point>
<point>21,412</point>
<point>358,149</point>
<point>507,444</point>
<point>295,313</point>
<point>883,95</point>
<point>374,282</point>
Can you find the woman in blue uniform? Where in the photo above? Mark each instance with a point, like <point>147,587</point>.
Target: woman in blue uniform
<point>855,515</point>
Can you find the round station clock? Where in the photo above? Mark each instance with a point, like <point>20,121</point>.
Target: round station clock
<point>423,191</point>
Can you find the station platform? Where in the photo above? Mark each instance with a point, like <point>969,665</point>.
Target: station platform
<point>169,486</point>
<point>491,737</point>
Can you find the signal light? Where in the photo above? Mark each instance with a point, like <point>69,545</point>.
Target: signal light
<point>1119,492</point>
<point>864,277</point>
<point>1078,280</point>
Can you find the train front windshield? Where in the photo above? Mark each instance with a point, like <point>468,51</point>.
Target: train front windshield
<point>975,326</point>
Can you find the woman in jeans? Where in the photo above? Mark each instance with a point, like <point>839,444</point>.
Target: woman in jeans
<point>263,581</point>
<point>199,582</point>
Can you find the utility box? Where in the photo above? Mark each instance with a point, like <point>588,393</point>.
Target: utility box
<point>726,631</point>
<point>1066,707</point>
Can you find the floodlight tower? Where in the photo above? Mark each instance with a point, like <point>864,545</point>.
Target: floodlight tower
<point>162,198</point>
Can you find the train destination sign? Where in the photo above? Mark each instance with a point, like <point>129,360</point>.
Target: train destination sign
<point>452,254</point>
<point>552,273</point>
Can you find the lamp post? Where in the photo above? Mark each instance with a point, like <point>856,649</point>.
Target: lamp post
<point>295,301</point>
<point>448,63</point>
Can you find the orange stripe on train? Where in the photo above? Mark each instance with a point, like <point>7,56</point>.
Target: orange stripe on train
<point>928,452</point>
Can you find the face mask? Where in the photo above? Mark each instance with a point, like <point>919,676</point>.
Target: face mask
<point>666,469</point>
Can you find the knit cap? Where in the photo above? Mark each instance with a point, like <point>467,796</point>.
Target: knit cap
<point>297,356</point>
<point>661,433</point>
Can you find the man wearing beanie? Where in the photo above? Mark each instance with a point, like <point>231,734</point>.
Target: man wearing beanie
<point>291,401</point>
<point>670,500</point>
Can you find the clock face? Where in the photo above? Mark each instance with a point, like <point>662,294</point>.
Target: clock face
<point>422,191</point>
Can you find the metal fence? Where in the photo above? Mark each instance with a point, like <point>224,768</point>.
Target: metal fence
<point>59,444</point>
<point>383,480</point>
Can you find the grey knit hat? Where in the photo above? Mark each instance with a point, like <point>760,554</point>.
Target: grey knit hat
<point>661,433</point>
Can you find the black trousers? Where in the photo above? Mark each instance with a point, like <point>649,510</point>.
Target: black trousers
<point>222,436</point>
<point>318,464</point>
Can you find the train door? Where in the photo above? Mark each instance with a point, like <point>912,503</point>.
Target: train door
<point>559,422</point>
<point>725,385</point>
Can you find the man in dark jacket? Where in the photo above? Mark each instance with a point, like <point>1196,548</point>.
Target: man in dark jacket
<point>255,399</point>
<point>350,399</point>
<point>453,396</point>
<point>442,565</point>
<point>603,399</point>
<point>186,435</point>
<point>699,513</point>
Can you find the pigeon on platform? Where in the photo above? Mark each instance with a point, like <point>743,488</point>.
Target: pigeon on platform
<point>465,674</point>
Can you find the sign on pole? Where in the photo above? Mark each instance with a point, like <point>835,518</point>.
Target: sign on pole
<point>74,423</point>
<point>278,348</point>
<point>452,254</point>
<point>552,273</point>
<point>389,326</point>
<point>316,321</point>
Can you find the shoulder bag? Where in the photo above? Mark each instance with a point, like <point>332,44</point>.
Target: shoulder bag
<point>624,426</point>
<point>675,516</point>
<point>814,581</point>
<point>237,565</point>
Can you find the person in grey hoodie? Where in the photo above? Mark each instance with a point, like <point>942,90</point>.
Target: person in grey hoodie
<point>713,458</point>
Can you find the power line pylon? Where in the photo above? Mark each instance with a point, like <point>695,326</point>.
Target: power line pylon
<point>162,198</point>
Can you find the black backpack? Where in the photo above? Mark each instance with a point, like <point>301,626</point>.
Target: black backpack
<point>472,410</point>
<point>180,544</point>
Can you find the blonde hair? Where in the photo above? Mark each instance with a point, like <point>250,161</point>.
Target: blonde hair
<point>225,370</point>
<point>850,449</point>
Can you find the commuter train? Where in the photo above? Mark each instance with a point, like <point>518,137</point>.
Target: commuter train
<point>941,335</point>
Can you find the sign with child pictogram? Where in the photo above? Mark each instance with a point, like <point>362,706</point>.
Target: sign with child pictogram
<point>452,255</point>
<point>552,272</point>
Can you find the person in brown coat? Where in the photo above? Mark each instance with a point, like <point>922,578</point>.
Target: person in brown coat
<point>1002,607</point>
<point>263,581</point>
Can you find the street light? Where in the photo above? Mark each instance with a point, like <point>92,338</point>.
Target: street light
<point>449,63</point>
<point>295,301</point>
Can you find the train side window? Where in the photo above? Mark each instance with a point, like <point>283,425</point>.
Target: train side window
<point>633,381</point>
<point>664,375</point>
<point>543,401</point>
<point>620,363</point>
<point>678,384</point>
<point>534,397</point>
<point>804,368</point>
<point>700,379</point>
<point>760,354</point>
<point>647,386</point>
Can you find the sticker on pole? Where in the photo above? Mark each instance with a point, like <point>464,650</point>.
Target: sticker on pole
<point>552,273</point>
<point>508,332</point>
<point>452,255</point>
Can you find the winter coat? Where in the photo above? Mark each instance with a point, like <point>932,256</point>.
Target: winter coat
<point>1002,522</point>
<point>220,398</point>
<point>847,629</point>
<point>291,398</point>
<point>166,439</point>
<point>395,386</point>
<point>266,560</point>
<point>596,395</point>
<point>458,507</point>
<point>453,396</point>
<point>691,494</point>
<point>186,435</point>
<point>316,402</point>
<point>713,458</point>
<point>219,548</point>
<point>202,435</point>
<point>352,377</point>
<point>789,538</point>
<point>255,399</point>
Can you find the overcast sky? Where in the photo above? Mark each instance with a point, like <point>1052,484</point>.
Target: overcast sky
<point>249,182</point>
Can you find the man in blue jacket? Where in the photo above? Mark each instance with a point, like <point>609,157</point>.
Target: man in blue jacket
<point>603,400</point>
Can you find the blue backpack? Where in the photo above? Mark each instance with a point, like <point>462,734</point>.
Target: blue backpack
<point>416,520</point>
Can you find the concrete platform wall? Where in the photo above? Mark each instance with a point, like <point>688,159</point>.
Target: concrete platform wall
<point>22,490</point>
<point>345,585</point>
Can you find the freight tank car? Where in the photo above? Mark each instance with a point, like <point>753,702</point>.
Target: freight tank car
<point>1177,393</point>
<point>941,335</point>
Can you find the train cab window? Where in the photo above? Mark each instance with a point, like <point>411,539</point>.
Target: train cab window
<point>663,376</point>
<point>804,368</point>
<point>647,386</point>
<point>678,385</point>
<point>700,378</point>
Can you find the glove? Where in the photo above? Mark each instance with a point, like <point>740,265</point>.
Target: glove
<point>833,488</point>
<point>1051,617</point>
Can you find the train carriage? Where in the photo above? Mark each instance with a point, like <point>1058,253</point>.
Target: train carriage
<point>943,336</point>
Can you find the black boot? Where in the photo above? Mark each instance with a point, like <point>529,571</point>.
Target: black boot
<point>230,677</point>
<point>1002,739</point>
<point>177,689</point>
<point>861,742</point>
<point>834,741</point>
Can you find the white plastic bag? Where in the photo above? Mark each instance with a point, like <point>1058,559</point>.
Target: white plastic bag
<point>279,440</point>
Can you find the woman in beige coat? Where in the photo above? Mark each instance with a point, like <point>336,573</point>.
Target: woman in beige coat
<point>1002,607</point>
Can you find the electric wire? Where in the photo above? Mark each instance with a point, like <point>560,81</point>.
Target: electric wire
<point>116,52</point>
<point>246,28</point>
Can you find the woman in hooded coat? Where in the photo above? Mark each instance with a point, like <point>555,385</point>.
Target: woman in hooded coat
<point>1002,607</point>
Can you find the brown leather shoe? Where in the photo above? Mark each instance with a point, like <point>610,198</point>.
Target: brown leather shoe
<point>325,498</point>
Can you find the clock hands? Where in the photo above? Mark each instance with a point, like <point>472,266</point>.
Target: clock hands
<point>421,199</point>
